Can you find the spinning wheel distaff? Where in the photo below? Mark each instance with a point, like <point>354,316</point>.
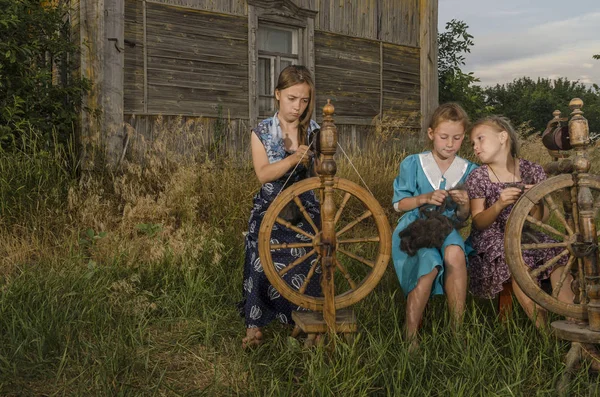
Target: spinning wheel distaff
<point>352,243</point>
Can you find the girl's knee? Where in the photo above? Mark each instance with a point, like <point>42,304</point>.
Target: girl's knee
<point>454,256</point>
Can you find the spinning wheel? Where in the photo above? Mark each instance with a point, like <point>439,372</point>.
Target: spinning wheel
<point>559,194</point>
<point>573,200</point>
<point>351,242</point>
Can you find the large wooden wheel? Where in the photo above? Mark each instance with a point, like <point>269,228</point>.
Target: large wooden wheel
<point>560,196</point>
<point>360,254</point>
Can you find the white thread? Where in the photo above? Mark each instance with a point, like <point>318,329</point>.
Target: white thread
<point>357,173</point>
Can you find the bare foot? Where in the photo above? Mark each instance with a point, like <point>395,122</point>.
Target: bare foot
<point>413,345</point>
<point>254,337</point>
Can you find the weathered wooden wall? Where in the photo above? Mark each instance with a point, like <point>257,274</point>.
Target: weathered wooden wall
<point>196,62</point>
<point>366,78</point>
<point>190,58</point>
<point>234,7</point>
<point>429,59</point>
<point>347,72</point>
<point>401,81</point>
<point>135,79</point>
<point>392,21</point>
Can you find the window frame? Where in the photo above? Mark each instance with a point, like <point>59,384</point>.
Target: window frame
<point>275,59</point>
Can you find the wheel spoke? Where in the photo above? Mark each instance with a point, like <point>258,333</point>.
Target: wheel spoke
<point>339,211</point>
<point>309,276</point>
<point>287,224</point>
<point>536,272</point>
<point>305,213</point>
<point>542,246</point>
<point>296,262</point>
<point>290,245</point>
<point>359,240</point>
<point>545,226</point>
<point>563,276</point>
<point>554,208</point>
<point>355,222</point>
<point>345,273</point>
<point>356,257</point>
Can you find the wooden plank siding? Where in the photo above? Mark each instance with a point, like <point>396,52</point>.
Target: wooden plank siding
<point>196,62</point>
<point>401,83</point>
<point>391,21</point>
<point>134,57</point>
<point>233,7</point>
<point>347,72</point>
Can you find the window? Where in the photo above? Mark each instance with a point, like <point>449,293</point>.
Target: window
<point>277,49</point>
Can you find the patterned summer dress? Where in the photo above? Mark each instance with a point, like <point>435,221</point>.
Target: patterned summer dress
<point>487,266</point>
<point>263,303</point>
<point>419,174</point>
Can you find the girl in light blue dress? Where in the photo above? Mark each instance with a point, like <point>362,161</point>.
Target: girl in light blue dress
<point>433,179</point>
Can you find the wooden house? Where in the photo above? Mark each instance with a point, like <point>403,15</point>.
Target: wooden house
<point>221,58</point>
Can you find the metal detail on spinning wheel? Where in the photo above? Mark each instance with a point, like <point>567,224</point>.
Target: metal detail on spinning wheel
<point>352,241</point>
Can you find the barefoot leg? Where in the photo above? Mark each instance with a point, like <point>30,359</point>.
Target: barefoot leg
<point>253,337</point>
<point>415,303</point>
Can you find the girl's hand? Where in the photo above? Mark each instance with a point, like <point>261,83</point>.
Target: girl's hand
<point>436,197</point>
<point>460,197</point>
<point>509,196</point>
<point>302,153</point>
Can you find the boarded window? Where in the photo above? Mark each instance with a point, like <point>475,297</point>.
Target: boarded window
<point>277,49</point>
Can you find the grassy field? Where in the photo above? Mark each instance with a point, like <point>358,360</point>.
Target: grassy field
<point>127,284</point>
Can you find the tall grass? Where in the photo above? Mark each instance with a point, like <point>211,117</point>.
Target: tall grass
<point>134,293</point>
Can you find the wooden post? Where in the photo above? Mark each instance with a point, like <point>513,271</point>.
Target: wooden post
<point>91,33</point>
<point>579,137</point>
<point>328,140</point>
<point>252,65</point>
<point>114,66</point>
<point>429,59</point>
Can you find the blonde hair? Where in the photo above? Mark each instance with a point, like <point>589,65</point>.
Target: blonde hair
<point>450,111</point>
<point>290,76</point>
<point>499,124</point>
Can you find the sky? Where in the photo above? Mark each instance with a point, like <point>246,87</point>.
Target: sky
<point>535,38</point>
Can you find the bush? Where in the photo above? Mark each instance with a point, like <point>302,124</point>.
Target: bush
<point>37,58</point>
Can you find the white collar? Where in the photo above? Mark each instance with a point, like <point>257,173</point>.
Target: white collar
<point>452,176</point>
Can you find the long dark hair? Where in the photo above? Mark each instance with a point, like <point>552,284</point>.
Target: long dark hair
<point>290,76</point>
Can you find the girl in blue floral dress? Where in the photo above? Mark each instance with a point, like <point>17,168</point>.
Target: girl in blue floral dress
<point>278,145</point>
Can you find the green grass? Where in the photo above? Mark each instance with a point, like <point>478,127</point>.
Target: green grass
<point>127,285</point>
<point>169,330</point>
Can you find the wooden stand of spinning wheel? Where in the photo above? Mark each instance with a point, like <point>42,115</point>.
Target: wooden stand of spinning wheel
<point>572,197</point>
<point>351,243</point>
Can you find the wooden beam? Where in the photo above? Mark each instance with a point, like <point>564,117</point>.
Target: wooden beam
<point>252,65</point>
<point>429,58</point>
<point>91,19</point>
<point>112,95</point>
<point>145,55</point>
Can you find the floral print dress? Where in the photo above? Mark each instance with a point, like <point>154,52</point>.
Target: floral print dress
<point>262,302</point>
<point>487,266</point>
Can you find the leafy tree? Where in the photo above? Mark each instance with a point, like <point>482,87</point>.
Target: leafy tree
<point>37,88</point>
<point>525,99</point>
<point>454,84</point>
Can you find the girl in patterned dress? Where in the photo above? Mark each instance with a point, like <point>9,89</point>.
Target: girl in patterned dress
<point>278,144</point>
<point>425,180</point>
<point>492,192</point>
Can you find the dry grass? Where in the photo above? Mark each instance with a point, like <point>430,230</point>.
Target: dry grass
<point>126,284</point>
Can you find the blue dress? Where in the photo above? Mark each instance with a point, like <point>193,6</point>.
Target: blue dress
<point>419,174</point>
<point>262,302</point>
